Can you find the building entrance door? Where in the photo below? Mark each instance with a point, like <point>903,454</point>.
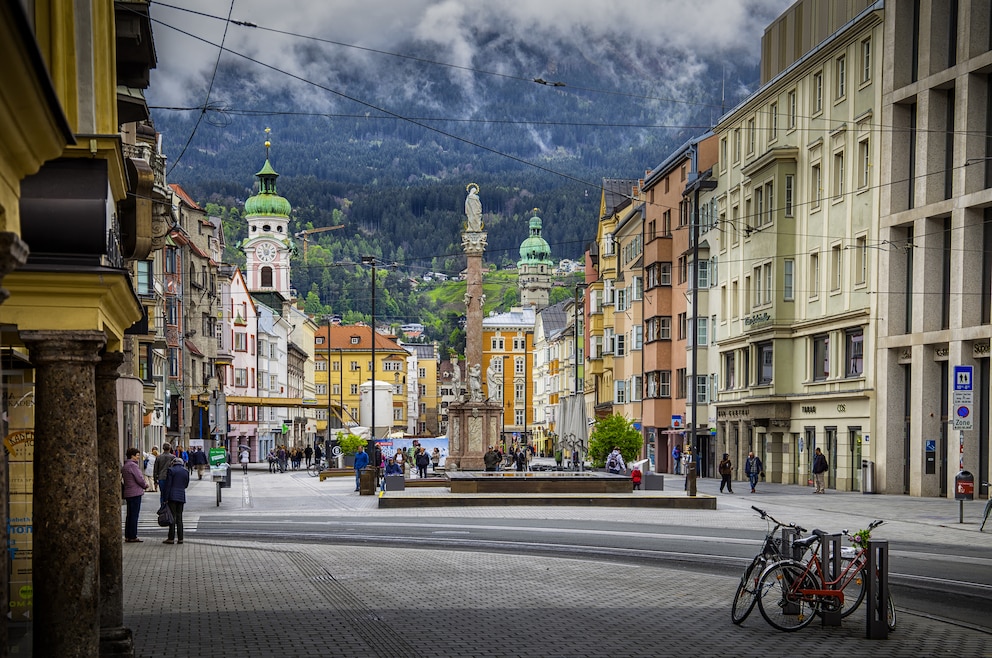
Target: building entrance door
<point>855,450</point>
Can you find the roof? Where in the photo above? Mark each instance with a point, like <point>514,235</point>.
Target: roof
<point>616,193</point>
<point>516,318</point>
<point>341,339</point>
<point>186,198</point>
<point>554,318</point>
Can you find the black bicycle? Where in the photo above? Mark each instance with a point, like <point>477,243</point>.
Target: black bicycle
<point>771,551</point>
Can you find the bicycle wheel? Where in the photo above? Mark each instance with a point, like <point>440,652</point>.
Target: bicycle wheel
<point>779,599</point>
<point>313,470</point>
<point>890,618</point>
<point>747,590</point>
<point>854,590</point>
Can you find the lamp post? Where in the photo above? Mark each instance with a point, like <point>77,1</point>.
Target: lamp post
<point>370,260</point>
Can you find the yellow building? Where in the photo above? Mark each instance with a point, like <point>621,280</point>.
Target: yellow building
<point>347,350</point>
<point>74,209</point>
<point>508,361</point>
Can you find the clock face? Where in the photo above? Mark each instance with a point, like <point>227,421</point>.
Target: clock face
<point>266,252</point>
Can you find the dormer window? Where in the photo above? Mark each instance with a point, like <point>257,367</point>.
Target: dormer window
<point>355,340</point>
<point>266,227</point>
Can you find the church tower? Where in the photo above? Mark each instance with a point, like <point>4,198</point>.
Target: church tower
<point>268,244</point>
<point>534,267</point>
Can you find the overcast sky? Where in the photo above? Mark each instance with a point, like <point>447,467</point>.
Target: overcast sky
<point>704,28</point>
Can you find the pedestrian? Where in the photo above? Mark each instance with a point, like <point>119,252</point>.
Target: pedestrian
<point>308,454</point>
<point>559,458</point>
<point>149,468</point>
<point>200,461</point>
<point>282,455</point>
<point>162,465</point>
<point>318,454</point>
<point>174,490</point>
<point>635,476</point>
<point>423,461</point>
<point>615,463</point>
<point>819,471</point>
<point>521,459</point>
<point>435,458</point>
<point>400,458</point>
<point>134,489</point>
<point>491,459</point>
<point>184,454</point>
<point>361,461</point>
<point>392,468</point>
<point>273,462</point>
<point>677,459</point>
<point>726,469</point>
<point>575,460</point>
<point>753,468</point>
<point>244,458</point>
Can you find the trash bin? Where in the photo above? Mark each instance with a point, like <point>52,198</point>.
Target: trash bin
<point>964,486</point>
<point>366,482</point>
<point>867,476</point>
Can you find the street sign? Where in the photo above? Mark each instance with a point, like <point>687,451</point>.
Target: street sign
<point>963,398</point>
<point>677,422</point>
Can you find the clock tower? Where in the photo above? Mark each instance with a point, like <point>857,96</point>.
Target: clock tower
<point>268,244</point>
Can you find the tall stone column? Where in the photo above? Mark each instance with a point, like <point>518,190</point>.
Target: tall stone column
<point>13,254</point>
<point>474,245</point>
<point>66,492</point>
<point>115,638</point>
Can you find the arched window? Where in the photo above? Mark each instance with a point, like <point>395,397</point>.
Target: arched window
<point>266,277</point>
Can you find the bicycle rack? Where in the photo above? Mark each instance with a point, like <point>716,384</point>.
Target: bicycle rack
<point>830,558</point>
<point>877,596</point>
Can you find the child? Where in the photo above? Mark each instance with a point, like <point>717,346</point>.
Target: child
<point>635,475</point>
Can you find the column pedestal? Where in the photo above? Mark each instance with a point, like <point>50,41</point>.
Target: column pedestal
<point>66,492</point>
<point>472,428</point>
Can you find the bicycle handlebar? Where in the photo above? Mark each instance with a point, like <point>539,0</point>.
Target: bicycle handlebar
<point>766,515</point>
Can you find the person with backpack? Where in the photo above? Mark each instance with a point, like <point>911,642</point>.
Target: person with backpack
<point>753,468</point>
<point>820,467</point>
<point>615,463</point>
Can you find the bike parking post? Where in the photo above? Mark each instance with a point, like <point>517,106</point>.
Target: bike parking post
<point>830,558</point>
<point>789,536</point>
<point>877,594</point>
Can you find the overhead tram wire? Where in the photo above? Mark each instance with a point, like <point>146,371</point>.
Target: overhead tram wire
<point>206,101</point>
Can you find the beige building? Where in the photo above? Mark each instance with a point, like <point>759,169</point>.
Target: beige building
<point>935,248</point>
<point>797,204</point>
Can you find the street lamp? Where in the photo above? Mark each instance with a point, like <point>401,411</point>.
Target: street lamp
<point>370,260</point>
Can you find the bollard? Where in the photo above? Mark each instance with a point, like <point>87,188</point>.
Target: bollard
<point>830,558</point>
<point>877,596</point>
<point>690,479</point>
<point>789,548</point>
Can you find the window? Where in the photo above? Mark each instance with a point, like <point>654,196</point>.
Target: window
<point>634,390</point>
<point>702,331</point>
<point>354,389</point>
<point>788,279</point>
<point>519,344</point>
<point>170,260</point>
<point>814,275</point>
<point>759,207</point>
<point>145,284</point>
<point>353,366</point>
<point>757,287</point>
<point>665,274</point>
<point>265,277</point>
<point>397,413</point>
<point>355,340</point>
<point>790,184</point>
<point>682,325</point>
<point>621,344</point>
<point>855,352</point>
<point>519,391</point>
<point>519,363</point>
<point>840,68</point>
<point>836,267</point>
<point>241,377</point>
<point>769,205</point>
<point>702,389</point>
<point>767,272</point>
<point>737,144</point>
<point>666,223</point>
<point>240,341</point>
<point>336,389</point>
<point>723,154</point>
<point>751,136</point>
<point>821,357</point>
<point>320,366</point>
<point>621,300</point>
<point>729,363</point>
<point>773,121</point>
<point>703,280</point>
<point>609,341</point>
<point>866,60</point>
<point>765,362</point>
<point>638,337</point>
<point>680,383</point>
<point>421,372</point>
<point>321,389</point>
<point>620,392</point>
<point>336,366</point>
<point>792,109</point>
<point>861,260</point>
<point>816,186</point>
<point>839,174</point>
<point>818,92</point>
<point>863,164</point>
<point>518,416</point>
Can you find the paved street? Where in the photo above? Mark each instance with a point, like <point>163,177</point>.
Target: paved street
<point>213,597</point>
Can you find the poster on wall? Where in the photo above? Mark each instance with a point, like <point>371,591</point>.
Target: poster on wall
<point>18,412</point>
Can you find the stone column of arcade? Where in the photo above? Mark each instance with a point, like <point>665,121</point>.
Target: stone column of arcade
<point>115,638</point>
<point>66,539</point>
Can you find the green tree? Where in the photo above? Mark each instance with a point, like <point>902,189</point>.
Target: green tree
<point>350,443</point>
<point>613,431</point>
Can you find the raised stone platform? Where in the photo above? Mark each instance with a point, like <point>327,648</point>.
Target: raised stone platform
<point>441,498</point>
<point>540,482</point>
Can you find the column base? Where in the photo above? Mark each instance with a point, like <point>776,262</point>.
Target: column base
<point>117,641</point>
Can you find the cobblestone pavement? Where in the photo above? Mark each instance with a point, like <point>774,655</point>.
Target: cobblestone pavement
<point>240,598</point>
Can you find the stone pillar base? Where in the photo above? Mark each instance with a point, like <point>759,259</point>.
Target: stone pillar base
<point>472,428</point>
<point>116,641</point>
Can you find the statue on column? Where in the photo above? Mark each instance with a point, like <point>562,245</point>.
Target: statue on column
<point>475,382</point>
<point>492,379</point>
<point>473,209</point>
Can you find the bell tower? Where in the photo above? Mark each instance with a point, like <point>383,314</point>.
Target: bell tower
<point>268,244</point>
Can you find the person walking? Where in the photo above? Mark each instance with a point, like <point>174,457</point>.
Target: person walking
<point>149,468</point>
<point>200,461</point>
<point>635,476</point>
<point>435,459</point>
<point>174,490</point>
<point>162,465</point>
<point>491,459</point>
<point>677,459</point>
<point>753,468</point>
<point>361,461</point>
<point>615,463</point>
<point>423,461</point>
<point>308,454</point>
<point>726,469</point>
<point>820,467</point>
<point>244,457</point>
<point>134,489</point>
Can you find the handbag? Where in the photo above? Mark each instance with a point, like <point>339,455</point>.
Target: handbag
<point>165,517</point>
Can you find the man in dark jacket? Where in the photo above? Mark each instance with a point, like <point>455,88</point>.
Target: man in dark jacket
<point>819,471</point>
<point>162,465</point>
<point>174,490</point>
